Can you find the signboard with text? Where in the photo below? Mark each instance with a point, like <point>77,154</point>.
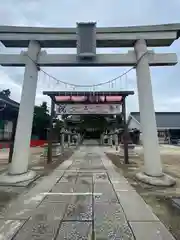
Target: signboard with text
<point>81,109</point>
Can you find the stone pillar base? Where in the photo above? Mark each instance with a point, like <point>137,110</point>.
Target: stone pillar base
<point>8,179</point>
<point>163,181</point>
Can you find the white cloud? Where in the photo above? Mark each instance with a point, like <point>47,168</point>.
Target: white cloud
<point>66,13</point>
<point>6,82</point>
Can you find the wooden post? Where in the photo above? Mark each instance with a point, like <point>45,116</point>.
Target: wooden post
<point>69,139</point>
<point>116,140</point>
<point>169,136</point>
<point>12,140</point>
<point>102,139</point>
<point>125,133</point>
<point>50,134</point>
<point>111,139</point>
<point>62,140</point>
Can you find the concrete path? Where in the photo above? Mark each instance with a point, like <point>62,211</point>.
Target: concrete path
<point>84,198</point>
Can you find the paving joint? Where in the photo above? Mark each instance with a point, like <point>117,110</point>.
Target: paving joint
<point>70,209</point>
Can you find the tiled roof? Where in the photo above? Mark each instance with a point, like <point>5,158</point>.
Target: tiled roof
<point>163,119</point>
<point>9,102</point>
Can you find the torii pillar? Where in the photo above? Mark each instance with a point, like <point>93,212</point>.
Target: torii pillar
<point>152,162</point>
<point>18,168</point>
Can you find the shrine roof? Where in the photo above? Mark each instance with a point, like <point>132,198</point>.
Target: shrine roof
<point>8,108</point>
<point>88,97</point>
<point>9,102</point>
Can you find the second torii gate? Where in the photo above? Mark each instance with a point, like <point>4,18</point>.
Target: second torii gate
<point>66,100</point>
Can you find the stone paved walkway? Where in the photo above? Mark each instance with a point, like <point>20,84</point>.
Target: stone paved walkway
<point>84,198</point>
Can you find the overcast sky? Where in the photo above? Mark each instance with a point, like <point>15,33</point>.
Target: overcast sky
<point>65,13</point>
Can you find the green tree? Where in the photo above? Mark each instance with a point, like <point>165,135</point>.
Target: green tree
<point>41,121</point>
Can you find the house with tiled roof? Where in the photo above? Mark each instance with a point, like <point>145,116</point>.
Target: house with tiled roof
<point>168,124</point>
<point>8,116</point>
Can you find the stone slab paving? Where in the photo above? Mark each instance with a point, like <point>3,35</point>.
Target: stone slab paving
<point>79,209</point>
<point>9,227</point>
<point>141,219</point>
<point>135,207</point>
<point>75,230</point>
<point>84,198</point>
<point>110,222</point>
<point>108,195</point>
<point>150,230</point>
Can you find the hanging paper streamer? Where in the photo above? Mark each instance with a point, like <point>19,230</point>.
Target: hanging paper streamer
<point>122,83</point>
<point>52,83</point>
<point>90,91</point>
<point>93,89</point>
<point>119,84</point>
<point>52,86</point>
<point>96,88</point>
<point>115,83</point>
<point>64,86</point>
<point>39,80</point>
<point>48,82</point>
<point>126,83</point>
<point>55,85</point>
<point>42,80</point>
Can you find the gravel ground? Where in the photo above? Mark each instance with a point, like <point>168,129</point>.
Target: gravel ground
<point>159,198</point>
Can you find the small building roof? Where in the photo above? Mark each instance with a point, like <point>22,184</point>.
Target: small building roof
<point>87,97</point>
<point>9,102</point>
<point>9,108</point>
<point>164,120</point>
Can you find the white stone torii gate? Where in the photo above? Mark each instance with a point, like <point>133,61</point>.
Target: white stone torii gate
<point>35,38</point>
